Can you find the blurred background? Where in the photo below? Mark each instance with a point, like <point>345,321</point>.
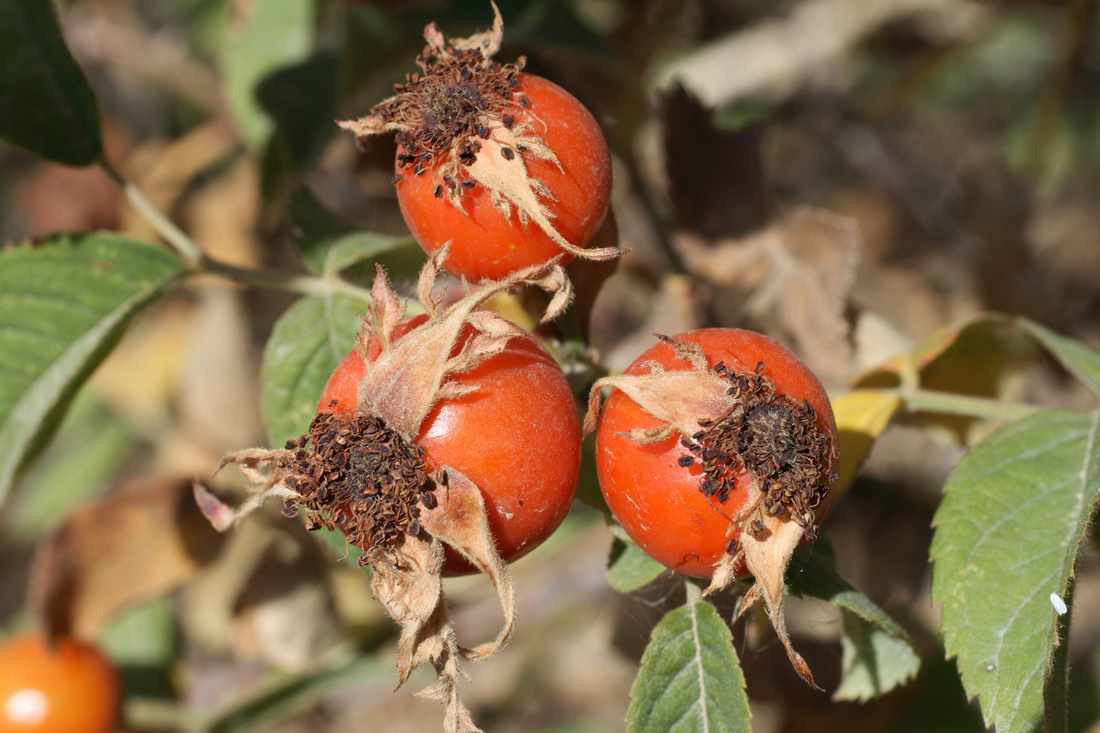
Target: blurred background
<point>848,176</point>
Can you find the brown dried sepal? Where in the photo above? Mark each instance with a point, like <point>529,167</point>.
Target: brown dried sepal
<point>735,424</point>
<point>458,119</point>
<point>362,473</point>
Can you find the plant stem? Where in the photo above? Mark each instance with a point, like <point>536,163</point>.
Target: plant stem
<point>949,403</point>
<point>694,594</point>
<point>199,262</point>
<point>184,246</point>
<point>302,284</point>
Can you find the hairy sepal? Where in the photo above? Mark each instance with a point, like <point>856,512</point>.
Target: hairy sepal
<point>406,380</point>
<point>766,557</point>
<point>681,399</point>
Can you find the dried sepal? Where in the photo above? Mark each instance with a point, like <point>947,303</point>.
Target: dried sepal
<point>461,522</point>
<point>403,383</point>
<point>679,398</point>
<point>766,555</point>
<point>716,411</point>
<point>266,469</point>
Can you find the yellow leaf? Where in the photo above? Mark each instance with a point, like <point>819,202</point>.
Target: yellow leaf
<point>861,417</point>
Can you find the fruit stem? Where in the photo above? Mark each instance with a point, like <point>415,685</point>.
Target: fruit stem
<point>949,403</point>
<point>693,593</point>
<point>198,261</point>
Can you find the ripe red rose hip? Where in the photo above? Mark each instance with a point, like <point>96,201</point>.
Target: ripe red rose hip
<point>715,451</point>
<point>517,437</point>
<point>443,443</point>
<point>64,687</point>
<point>507,166</point>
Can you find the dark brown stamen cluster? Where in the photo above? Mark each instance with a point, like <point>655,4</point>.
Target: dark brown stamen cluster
<point>355,474</point>
<point>444,111</point>
<point>772,437</point>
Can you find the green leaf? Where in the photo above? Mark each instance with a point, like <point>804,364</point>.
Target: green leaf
<point>1078,359</point>
<point>330,245</point>
<point>63,305</point>
<point>873,661</point>
<point>690,678</point>
<point>315,228</point>
<point>277,34</point>
<point>305,346</point>
<point>142,642</point>
<point>91,447</point>
<point>1008,534</point>
<point>628,567</point>
<point>877,654</point>
<point>46,104</point>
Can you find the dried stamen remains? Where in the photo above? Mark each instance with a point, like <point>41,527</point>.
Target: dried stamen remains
<point>444,115</point>
<point>357,475</point>
<point>775,439</point>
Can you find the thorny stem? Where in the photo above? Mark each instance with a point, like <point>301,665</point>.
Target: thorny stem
<point>200,262</point>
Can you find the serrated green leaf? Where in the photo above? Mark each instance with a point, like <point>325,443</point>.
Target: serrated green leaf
<point>1008,534</point>
<point>690,679</point>
<point>277,34</point>
<point>329,244</point>
<point>873,661</point>
<point>1078,359</point>
<point>877,655</point>
<point>46,104</point>
<point>64,304</point>
<point>305,346</point>
<point>629,568</point>
<point>368,247</point>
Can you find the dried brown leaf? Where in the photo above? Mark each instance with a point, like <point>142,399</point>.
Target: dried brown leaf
<point>142,540</point>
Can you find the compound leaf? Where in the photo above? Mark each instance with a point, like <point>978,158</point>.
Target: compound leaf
<point>1080,360</point>
<point>629,567</point>
<point>329,245</point>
